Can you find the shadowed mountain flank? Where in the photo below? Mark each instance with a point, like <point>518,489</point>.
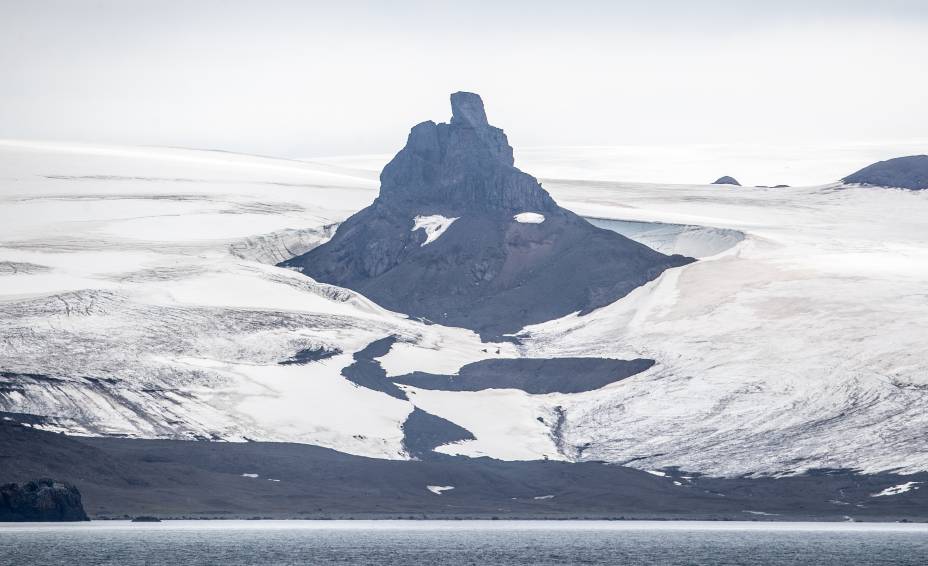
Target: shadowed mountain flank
<point>423,432</point>
<point>901,172</point>
<point>532,375</point>
<point>366,371</point>
<point>461,237</point>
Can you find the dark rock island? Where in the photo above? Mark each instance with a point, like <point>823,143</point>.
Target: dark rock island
<point>461,237</point>
<point>902,172</point>
<point>41,500</point>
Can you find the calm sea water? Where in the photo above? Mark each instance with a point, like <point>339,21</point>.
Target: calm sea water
<point>632,543</point>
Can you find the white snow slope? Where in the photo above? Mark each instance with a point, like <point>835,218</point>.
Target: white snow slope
<point>138,297</point>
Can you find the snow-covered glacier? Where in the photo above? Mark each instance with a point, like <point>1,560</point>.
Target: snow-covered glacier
<point>139,297</point>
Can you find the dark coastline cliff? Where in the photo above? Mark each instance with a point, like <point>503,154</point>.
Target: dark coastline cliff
<point>461,237</point>
<point>42,500</point>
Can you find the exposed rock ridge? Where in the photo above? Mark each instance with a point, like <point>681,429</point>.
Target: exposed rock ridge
<point>466,163</point>
<point>909,172</point>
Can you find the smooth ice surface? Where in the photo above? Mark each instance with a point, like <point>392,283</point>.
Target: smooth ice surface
<point>688,240</point>
<point>772,354</point>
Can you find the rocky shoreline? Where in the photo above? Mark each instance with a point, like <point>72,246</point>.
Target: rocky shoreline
<point>42,500</point>
<point>172,479</point>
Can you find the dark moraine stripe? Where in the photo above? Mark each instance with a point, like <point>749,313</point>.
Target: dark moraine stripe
<point>532,375</point>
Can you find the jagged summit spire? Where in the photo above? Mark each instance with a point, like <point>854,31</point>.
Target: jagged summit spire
<point>467,110</point>
<point>466,164</point>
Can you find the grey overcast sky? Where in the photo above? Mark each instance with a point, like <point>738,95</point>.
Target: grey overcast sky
<point>302,78</point>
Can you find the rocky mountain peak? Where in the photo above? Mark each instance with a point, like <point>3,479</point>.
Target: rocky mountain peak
<point>459,236</point>
<point>467,110</point>
<point>466,164</point>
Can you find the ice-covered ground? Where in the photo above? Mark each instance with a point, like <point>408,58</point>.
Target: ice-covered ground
<point>802,346</point>
<point>138,297</point>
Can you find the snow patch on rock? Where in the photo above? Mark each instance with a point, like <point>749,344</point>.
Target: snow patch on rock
<point>898,489</point>
<point>529,218</point>
<point>434,226</point>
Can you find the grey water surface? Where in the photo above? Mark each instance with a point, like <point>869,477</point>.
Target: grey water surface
<point>411,543</point>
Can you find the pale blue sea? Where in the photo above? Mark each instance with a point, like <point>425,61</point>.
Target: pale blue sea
<point>409,543</point>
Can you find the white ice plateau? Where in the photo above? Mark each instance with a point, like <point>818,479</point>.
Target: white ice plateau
<point>139,298</point>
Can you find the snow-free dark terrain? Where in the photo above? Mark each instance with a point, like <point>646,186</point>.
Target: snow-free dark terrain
<point>177,479</point>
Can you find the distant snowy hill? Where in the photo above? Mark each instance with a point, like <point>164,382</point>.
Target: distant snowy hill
<point>910,172</point>
<point>139,297</point>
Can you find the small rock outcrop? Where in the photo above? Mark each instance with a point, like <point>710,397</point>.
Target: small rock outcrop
<point>423,432</point>
<point>901,172</point>
<point>458,235</point>
<point>726,180</point>
<point>41,500</point>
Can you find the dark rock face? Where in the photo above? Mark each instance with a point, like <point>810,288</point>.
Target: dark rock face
<point>486,271</point>
<point>532,375</point>
<point>41,500</point>
<point>367,372</point>
<point>902,172</point>
<point>423,432</point>
<point>726,180</point>
<point>179,478</point>
<point>310,355</point>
